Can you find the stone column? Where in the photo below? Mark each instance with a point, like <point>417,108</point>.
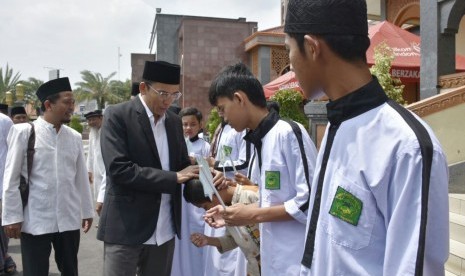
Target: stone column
<point>440,21</point>
<point>316,114</point>
<point>429,34</point>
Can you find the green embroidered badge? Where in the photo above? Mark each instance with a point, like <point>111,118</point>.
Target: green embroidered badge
<point>346,206</point>
<point>272,180</point>
<point>227,150</point>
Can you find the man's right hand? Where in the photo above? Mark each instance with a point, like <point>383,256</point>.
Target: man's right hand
<point>188,173</point>
<point>13,230</point>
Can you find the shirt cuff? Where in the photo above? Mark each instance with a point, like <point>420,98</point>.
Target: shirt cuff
<point>293,209</point>
<point>101,196</point>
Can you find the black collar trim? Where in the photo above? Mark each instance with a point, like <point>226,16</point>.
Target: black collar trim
<point>255,136</point>
<point>195,138</point>
<point>358,102</point>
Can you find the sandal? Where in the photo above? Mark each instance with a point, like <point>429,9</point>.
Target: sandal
<point>10,266</point>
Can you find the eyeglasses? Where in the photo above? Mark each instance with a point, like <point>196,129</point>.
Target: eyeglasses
<point>167,95</point>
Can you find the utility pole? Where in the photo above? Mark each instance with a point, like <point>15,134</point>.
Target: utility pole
<point>119,57</point>
<point>53,73</point>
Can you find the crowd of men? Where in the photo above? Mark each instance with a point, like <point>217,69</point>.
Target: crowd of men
<point>258,200</point>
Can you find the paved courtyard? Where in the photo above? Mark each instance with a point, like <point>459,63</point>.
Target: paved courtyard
<point>90,255</point>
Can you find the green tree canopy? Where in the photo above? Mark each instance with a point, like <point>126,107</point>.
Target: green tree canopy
<point>30,87</point>
<point>121,90</point>
<point>213,121</point>
<point>381,69</point>
<point>75,123</point>
<point>8,81</point>
<point>291,105</point>
<point>96,87</point>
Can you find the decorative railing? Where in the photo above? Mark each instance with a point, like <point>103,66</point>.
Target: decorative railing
<point>452,81</point>
<point>454,96</point>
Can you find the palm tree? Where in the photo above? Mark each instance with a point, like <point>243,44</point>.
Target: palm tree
<point>30,88</point>
<point>121,91</point>
<point>7,81</point>
<point>95,87</point>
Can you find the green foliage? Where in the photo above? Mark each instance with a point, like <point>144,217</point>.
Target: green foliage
<point>381,69</point>
<point>30,88</point>
<point>96,87</point>
<point>291,105</point>
<point>121,90</point>
<point>76,123</point>
<point>213,121</point>
<point>8,81</point>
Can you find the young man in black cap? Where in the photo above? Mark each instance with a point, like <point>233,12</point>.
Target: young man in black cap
<point>95,165</point>
<point>18,115</point>
<point>379,200</point>
<point>146,160</point>
<point>59,201</point>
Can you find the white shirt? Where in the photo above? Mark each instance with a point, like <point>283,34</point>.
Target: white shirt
<point>102,190</point>
<point>233,262</point>
<point>95,164</point>
<point>59,192</point>
<point>5,125</point>
<point>165,228</point>
<point>234,140</point>
<point>200,147</point>
<point>188,258</point>
<point>376,157</point>
<point>282,242</point>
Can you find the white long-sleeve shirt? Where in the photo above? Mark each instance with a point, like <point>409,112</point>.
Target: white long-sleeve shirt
<point>95,164</point>
<point>231,263</point>
<point>282,181</point>
<point>187,258</point>
<point>5,125</point>
<point>371,195</point>
<point>59,190</point>
<point>234,142</point>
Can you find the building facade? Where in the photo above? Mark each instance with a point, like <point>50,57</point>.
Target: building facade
<point>202,46</point>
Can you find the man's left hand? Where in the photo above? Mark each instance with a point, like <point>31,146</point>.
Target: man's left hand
<point>98,207</point>
<point>86,224</point>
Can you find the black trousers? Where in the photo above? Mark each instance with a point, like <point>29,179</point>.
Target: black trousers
<point>35,251</point>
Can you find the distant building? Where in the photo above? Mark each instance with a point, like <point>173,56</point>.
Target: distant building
<point>202,46</point>
<point>137,65</point>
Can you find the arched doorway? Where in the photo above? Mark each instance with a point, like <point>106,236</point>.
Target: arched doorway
<point>408,14</point>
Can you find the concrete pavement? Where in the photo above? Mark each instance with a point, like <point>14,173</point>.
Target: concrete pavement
<point>90,255</point>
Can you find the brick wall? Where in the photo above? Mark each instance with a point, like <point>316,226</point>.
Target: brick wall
<point>207,46</point>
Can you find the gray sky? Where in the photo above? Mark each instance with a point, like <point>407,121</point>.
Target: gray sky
<point>76,35</point>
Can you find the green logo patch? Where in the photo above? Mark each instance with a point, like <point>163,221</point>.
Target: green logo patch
<point>346,206</point>
<point>272,180</point>
<point>227,150</point>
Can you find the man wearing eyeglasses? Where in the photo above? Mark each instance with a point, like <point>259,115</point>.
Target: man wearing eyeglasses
<point>146,160</point>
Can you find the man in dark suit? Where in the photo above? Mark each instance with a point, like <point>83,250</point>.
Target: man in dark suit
<point>146,160</point>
